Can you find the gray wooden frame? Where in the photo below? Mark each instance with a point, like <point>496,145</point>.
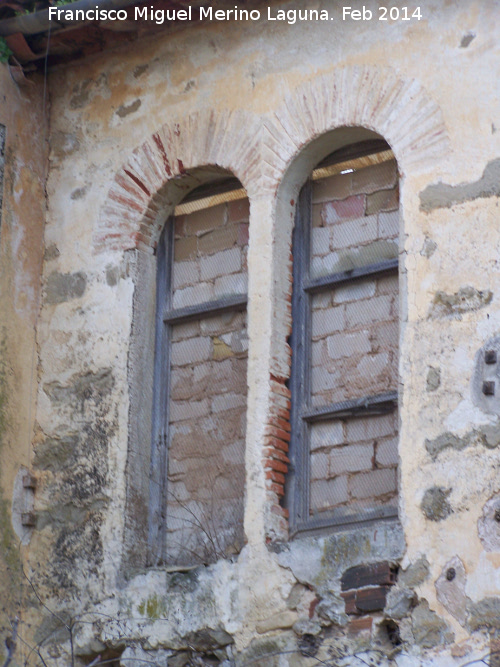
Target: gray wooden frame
<point>302,414</point>
<point>166,318</point>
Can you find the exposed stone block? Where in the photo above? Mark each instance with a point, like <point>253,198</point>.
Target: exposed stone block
<point>429,629</point>
<point>327,321</point>
<point>435,505</point>
<point>320,241</point>
<point>352,458</point>
<point>327,434</point>
<point>363,313</point>
<point>348,344</point>
<point>358,231</point>
<point>189,296</point>
<point>220,264</point>
<point>191,351</point>
<point>238,210</point>
<point>61,287</point>
<point>183,410</point>
<point>186,273</point>
<point>355,291</point>
<point>383,200</point>
<point>388,225</point>
<point>387,452</point>
<point>282,620</point>
<point>345,209</point>
<point>228,401</point>
<point>327,493</point>
<point>365,428</point>
<point>205,220</point>
<point>376,177</point>
<point>373,484</point>
<point>237,283</point>
<point>334,187</point>
<point>217,240</point>
<point>185,248</point>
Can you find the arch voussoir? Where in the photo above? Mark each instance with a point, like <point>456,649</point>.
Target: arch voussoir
<point>136,200</point>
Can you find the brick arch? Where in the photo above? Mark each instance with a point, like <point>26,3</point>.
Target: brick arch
<point>372,97</point>
<point>133,211</point>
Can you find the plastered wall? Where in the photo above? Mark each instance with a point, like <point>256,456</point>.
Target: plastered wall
<point>22,192</point>
<point>127,130</point>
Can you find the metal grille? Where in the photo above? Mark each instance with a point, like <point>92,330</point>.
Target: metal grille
<point>2,166</point>
<point>201,383</point>
<point>345,348</point>
<point>206,473</point>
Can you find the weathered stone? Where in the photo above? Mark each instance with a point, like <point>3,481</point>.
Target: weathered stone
<point>63,287</point>
<point>435,505</point>
<point>488,525</point>
<point>453,306</point>
<point>433,378</point>
<point>415,574</point>
<point>305,626</point>
<point>331,609</point>
<point>484,614</point>
<point>383,200</point>
<point>295,595</point>
<point>429,248</point>
<point>450,589</point>
<point>135,655</point>
<point>282,620</point>
<point>400,602</point>
<point>429,629</point>
<point>208,639</point>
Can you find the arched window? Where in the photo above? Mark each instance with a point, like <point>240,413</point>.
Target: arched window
<point>344,379</point>
<point>197,469</point>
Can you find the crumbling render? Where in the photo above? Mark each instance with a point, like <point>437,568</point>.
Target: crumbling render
<point>442,195</point>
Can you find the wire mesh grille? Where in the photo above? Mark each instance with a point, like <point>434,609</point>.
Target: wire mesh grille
<point>207,405</point>
<point>210,254</point>
<point>354,339</point>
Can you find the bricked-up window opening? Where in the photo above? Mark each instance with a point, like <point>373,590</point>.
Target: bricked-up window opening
<point>198,473</point>
<point>343,449</point>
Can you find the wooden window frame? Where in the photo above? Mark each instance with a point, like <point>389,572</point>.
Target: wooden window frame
<point>302,414</point>
<point>166,317</point>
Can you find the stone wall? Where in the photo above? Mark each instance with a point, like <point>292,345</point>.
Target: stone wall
<point>209,96</point>
<point>23,157</point>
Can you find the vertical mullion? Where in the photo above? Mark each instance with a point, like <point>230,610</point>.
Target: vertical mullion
<point>159,445</point>
<point>298,495</point>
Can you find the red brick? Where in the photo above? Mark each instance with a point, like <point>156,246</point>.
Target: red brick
<point>281,413</point>
<point>280,511</point>
<point>271,453</point>
<point>280,423</point>
<point>275,442</point>
<point>277,433</point>
<point>277,477</point>
<point>360,624</point>
<point>278,387</point>
<point>344,209</point>
<point>278,489</point>
<point>276,465</point>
